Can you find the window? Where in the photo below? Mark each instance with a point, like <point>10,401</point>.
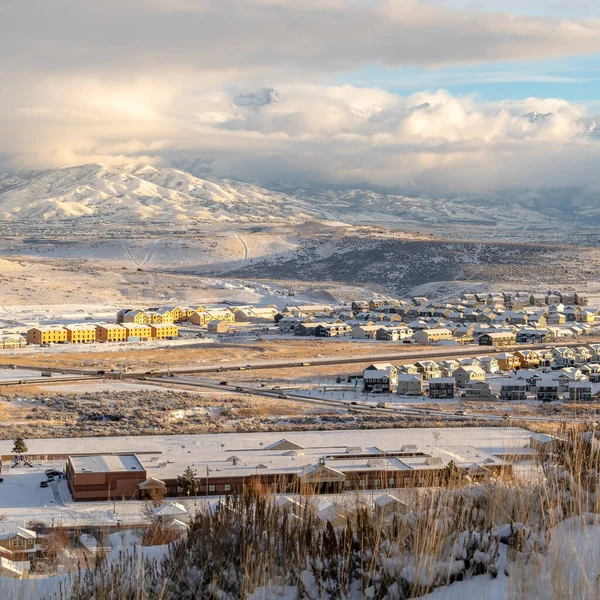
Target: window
<point>17,542</point>
<point>211,488</point>
<point>347,484</point>
<point>362,483</point>
<point>406,480</point>
<point>391,481</point>
<point>227,487</point>
<point>377,482</point>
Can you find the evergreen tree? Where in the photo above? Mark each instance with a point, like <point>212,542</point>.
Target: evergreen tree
<point>19,446</point>
<point>188,482</point>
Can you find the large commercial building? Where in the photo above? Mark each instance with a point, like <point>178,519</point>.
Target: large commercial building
<point>307,462</point>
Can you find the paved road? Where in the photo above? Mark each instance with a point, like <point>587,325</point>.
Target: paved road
<point>401,410</point>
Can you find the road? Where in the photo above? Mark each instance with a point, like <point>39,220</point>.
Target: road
<point>398,410</point>
<point>427,352</point>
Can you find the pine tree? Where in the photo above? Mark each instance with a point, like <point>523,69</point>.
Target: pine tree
<point>188,482</point>
<point>19,446</point>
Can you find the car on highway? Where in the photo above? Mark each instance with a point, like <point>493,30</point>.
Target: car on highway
<point>460,412</point>
<point>223,382</point>
<point>284,396</point>
<point>507,416</point>
<point>305,364</point>
<point>239,389</point>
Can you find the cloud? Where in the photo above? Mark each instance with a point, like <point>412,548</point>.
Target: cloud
<point>149,80</point>
<point>317,36</point>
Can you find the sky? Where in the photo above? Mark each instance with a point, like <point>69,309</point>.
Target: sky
<point>419,96</point>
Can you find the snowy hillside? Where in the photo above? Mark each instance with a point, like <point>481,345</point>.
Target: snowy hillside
<point>133,194</point>
<point>138,193</point>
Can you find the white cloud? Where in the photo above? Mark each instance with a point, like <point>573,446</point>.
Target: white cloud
<point>151,79</point>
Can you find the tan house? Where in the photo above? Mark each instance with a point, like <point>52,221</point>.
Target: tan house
<point>528,359</point>
<point>20,541</point>
<point>508,361</point>
<point>432,336</point>
<point>201,318</point>
<point>217,327</point>
<point>81,334</point>
<point>111,332</point>
<point>47,335</point>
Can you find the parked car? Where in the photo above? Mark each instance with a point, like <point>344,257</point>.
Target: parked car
<point>43,484</point>
<point>50,478</point>
<point>53,473</point>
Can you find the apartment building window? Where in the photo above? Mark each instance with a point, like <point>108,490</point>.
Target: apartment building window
<point>18,542</point>
<point>211,488</point>
<point>406,480</point>
<point>377,482</point>
<point>227,487</point>
<point>347,484</point>
<point>391,481</point>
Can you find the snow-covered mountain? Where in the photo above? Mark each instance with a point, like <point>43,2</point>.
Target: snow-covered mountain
<point>138,193</point>
<point>132,194</point>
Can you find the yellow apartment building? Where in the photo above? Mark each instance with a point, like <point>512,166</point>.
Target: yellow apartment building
<point>81,334</point>
<point>111,332</point>
<point>164,331</point>
<point>199,318</point>
<point>47,335</point>
<point>139,317</point>
<point>135,330</point>
<point>221,314</point>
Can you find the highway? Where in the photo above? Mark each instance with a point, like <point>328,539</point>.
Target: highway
<point>426,352</point>
<point>397,410</point>
<point>46,380</point>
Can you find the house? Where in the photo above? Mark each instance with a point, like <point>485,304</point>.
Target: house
<point>537,319</point>
<point>387,505</point>
<point>556,318</point>
<point>336,329</point>
<point>81,334</point>
<point>12,340</point>
<point>528,359</point>
<point>307,328</point>
<point>428,369</point>
<point>585,316</point>
<point>366,332</point>
<point>375,303</point>
<point>448,367</point>
<point>394,334</point>
<point>20,541</point>
<point>508,361</point>
<point>464,375</point>
<point>170,512</point>
<point>489,364</point>
<point>442,388</point>
<point>111,332</point>
<point>547,390</point>
<point>497,339</point>
<point>533,336</point>
<point>310,310</point>
<point>432,336</point>
<point>581,299</point>
<point>410,385</point>
<point>288,324</point>
<point>537,300</point>
<point>478,390</point>
<point>200,317</point>
<point>583,391</point>
<point>408,369</point>
<point>221,314</point>
<point>564,356</point>
<point>513,390</point>
<point>14,569</point>
<point>121,314</point>
<point>253,314</point>
<point>567,297</point>
<point>217,327</point>
<point>582,354</point>
<point>51,334</point>
<point>380,378</point>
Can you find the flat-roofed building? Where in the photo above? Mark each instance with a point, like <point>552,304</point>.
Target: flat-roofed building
<point>81,334</point>
<point>53,334</point>
<point>137,332</point>
<point>111,332</point>
<point>105,476</point>
<point>164,331</point>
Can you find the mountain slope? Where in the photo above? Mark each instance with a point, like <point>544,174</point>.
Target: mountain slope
<point>133,194</point>
<point>137,193</point>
